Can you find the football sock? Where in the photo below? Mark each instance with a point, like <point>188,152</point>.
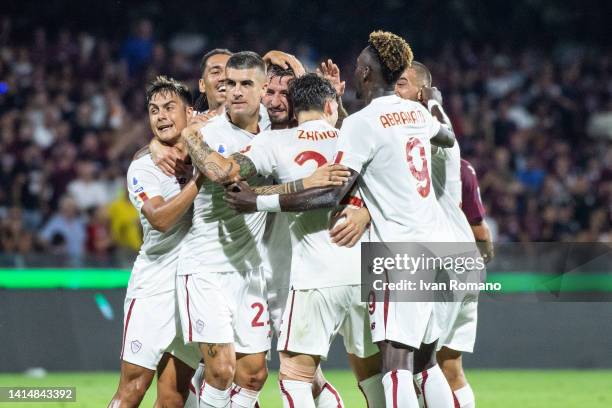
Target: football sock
<point>434,388</point>
<point>399,389</point>
<point>210,397</point>
<point>373,391</point>
<point>194,387</point>
<point>465,397</point>
<point>242,397</point>
<point>296,394</point>
<point>329,398</point>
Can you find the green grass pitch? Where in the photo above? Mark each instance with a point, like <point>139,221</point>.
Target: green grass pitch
<point>493,388</point>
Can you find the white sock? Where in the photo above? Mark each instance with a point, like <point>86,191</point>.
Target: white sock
<point>210,397</point>
<point>373,391</point>
<point>465,397</point>
<point>435,389</point>
<point>296,394</point>
<point>399,389</point>
<point>242,397</point>
<point>194,387</point>
<point>329,398</point>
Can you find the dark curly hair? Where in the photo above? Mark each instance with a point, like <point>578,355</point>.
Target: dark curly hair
<point>393,52</point>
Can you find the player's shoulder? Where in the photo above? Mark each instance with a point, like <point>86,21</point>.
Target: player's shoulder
<point>144,164</point>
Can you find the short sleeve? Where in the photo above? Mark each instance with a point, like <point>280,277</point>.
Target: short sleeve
<point>356,144</point>
<point>261,153</point>
<point>143,184</point>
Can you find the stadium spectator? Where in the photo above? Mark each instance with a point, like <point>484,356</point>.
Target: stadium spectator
<point>64,233</point>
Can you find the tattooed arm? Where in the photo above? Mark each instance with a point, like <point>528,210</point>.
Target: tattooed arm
<point>242,198</point>
<point>240,167</point>
<point>214,166</point>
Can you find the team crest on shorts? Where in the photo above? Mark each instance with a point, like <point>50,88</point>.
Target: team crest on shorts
<point>136,346</point>
<point>199,326</point>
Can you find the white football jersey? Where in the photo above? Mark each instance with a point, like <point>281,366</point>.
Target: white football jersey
<point>446,176</point>
<point>388,142</point>
<point>155,267</point>
<point>220,239</point>
<point>290,155</point>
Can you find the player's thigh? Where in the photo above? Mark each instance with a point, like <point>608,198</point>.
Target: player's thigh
<point>367,367</point>
<point>250,317</point>
<point>298,366</point>
<point>205,308</point>
<point>173,376</point>
<point>149,328</point>
<point>310,321</point>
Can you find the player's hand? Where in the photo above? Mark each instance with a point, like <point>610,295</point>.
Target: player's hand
<point>167,158</point>
<point>331,72</point>
<point>328,175</point>
<point>427,93</point>
<point>486,250</point>
<point>349,225</point>
<point>240,197</point>
<point>284,60</point>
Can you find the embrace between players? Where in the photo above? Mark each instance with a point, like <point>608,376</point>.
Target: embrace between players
<point>249,231</point>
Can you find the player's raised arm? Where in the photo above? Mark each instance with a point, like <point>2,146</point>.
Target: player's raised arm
<point>431,97</point>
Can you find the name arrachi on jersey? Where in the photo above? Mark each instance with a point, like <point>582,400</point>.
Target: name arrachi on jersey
<point>220,239</point>
<point>155,267</point>
<point>290,155</point>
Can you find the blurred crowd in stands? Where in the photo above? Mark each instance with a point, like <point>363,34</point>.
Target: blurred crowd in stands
<point>536,125</point>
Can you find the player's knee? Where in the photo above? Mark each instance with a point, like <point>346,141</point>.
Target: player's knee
<point>453,372</point>
<point>255,380</point>
<point>167,398</point>
<point>220,373</point>
<point>134,387</point>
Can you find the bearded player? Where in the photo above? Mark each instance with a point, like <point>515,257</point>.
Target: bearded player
<point>388,144</point>
<point>152,339</point>
<point>453,181</point>
<point>220,282</point>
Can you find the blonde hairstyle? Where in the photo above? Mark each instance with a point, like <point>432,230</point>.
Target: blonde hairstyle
<point>394,54</point>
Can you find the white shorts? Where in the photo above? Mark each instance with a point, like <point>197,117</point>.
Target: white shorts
<point>407,323</point>
<point>151,327</point>
<point>225,307</point>
<point>277,298</point>
<point>313,317</point>
<point>460,334</point>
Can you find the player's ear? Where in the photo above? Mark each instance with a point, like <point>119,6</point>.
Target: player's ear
<point>367,73</point>
<point>201,86</point>
<point>189,111</point>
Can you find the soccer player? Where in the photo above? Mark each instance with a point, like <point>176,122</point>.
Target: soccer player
<point>212,81</point>
<point>152,338</point>
<point>388,144</point>
<point>455,183</point>
<point>325,278</point>
<point>221,288</point>
<point>276,238</point>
